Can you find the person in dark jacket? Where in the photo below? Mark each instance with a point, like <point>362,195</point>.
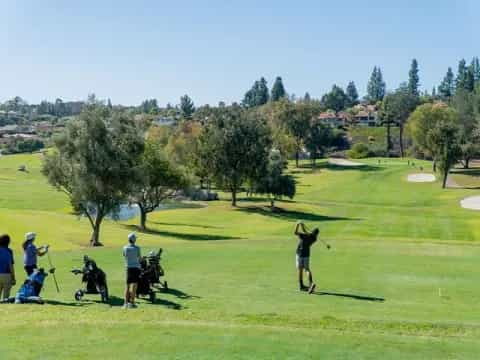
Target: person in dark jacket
<point>7,269</point>
<point>305,240</point>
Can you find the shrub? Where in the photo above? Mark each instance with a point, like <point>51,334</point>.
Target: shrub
<point>359,151</point>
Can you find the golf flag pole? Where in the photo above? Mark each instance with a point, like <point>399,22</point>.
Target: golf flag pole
<point>53,273</point>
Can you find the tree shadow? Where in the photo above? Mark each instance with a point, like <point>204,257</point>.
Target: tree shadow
<point>362,168</point>
<point>187,225</point>
<point>182,236</point>
<point>290,214</point>
<point>351,296</point>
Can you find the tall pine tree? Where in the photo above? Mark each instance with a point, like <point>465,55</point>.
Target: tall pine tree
<point>278,90</point>
<point>475,66</point>
<point>258,95</point>
<point>352,94</point>
<point>413,79</point>
<point>465,77</point>
<point>376,86</point>
<point>447,88</point>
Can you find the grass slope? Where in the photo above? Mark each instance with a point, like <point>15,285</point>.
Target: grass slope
<point>232,271</point>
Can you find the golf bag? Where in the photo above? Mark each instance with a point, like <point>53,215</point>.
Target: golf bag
<point>151,272</point>
<point>29,292</point>
<point>94,278</point>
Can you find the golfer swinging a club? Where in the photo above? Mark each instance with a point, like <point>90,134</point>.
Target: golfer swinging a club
<point>306,240</point>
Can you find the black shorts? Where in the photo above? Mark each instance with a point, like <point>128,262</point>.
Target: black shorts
<point>133,275</point>
<point>29,269</point>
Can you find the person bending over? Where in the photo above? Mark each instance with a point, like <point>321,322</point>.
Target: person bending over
<point>306,239</point>
<point>131,253</point>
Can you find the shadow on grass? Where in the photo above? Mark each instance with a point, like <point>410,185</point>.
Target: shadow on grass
<point>462,171</point>
<point>169,304</point>
<point>259,199</point>
<point>290,214</point>
<point>187,225</point>
<point>179,294</point>
<point>182,236</point>
<point>62,303</point>
<point>351,296</point>
<point>362,168</point>
<point>115,301</point>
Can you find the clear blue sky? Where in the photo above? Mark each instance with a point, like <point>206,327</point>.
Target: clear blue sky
<point>214,50</point>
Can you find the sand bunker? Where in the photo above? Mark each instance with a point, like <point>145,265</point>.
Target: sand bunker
<point>421,178</point>
<point>343,162</point>
<point>472,203</point>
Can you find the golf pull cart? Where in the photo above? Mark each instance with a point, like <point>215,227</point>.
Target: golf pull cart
<point>94,278</point>
<point>151,272</point>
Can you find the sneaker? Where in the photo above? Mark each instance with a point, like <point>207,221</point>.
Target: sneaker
<point>126,305</point>
<point>312,288</point>
<point>303,288</point>
<point>132,306</point>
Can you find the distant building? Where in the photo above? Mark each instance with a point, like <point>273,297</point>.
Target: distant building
<point>366,115</point>
<point>164,121</point>
<point>333,119</point>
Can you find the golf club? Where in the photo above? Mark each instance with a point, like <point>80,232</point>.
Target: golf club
<point>53,273</point>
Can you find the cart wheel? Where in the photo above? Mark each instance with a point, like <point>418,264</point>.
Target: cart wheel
<point>78,295</point>
<point>152,296</point>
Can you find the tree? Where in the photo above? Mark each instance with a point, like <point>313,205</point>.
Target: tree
<point>183,143</point>
<point>352,95</point>
<point>307,97</point>
<point>423,120</point>
<point>475,69</point>
<point>94,163</point>
<point>319,138</point>
<point>258,95</point>
<point>376,86</point>
<point>158,181</point>
<point>149,106</point>
<point>296,119</point>
<point>274,182</point>
<point>444,141</point>
<point>396,108</point>
<point>236,144</point>
<point>413,79</point>
<point>187,107</point>
<point>447,87</point>
<point>278,90</point>
<point>469,132</point>
<point>59,108</point>
<point>465,77</point>
<point>335,99</point>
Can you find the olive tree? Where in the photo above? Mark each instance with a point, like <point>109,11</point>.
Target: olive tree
<point>94,162</point>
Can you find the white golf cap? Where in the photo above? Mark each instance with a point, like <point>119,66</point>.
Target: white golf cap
<point>30,236</point>
<point>132,237</point>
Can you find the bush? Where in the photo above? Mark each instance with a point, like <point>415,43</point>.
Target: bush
<point>359,151</point>
<point>377,150</point>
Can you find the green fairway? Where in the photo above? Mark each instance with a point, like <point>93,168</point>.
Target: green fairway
<point>400,282</point>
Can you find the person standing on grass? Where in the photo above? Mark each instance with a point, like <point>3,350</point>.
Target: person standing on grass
<point>7,270</point>
<point>31,252</point>
<point>306,239</point>
<point>131,253</point>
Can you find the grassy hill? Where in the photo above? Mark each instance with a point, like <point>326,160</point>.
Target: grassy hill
<point>400,281</point>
